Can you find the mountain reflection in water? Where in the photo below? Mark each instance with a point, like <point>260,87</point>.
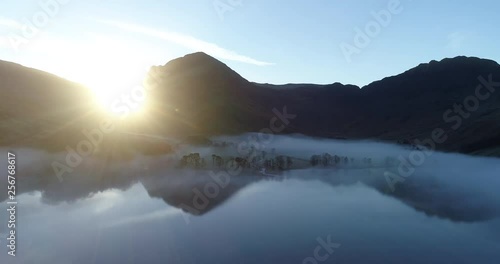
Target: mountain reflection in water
<point>143,212</point>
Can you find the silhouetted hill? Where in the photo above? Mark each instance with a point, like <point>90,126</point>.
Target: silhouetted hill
<point>412,104</point>
<point>45,111</point>
<point>38,107</point>
<point>197,95</point>
<point>203,92</point>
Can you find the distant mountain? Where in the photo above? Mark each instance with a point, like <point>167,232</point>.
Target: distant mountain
<point>204,96</point>
<point>197,95</point>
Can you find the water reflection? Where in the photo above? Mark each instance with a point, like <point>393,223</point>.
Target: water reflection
<point>145,212</point>
<point>264,221</point>
<point>200,191</point>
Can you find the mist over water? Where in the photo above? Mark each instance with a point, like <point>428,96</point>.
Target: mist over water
<point>467,180</point>
<point>446,179</point>
<point>449,206</point>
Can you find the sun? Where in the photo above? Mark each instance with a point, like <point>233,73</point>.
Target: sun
<point>118,89</point>
<point>119,100</point>
<point>113,70</point>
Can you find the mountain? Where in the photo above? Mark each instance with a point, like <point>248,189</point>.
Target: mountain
<point>204,96</point>
<point>37,106</point>
<point>199,96</point>
<point>45,111</point>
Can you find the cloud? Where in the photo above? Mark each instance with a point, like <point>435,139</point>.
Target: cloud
<point>455,41</point>
<point>10,24</point>
<point>188,42</point>
<point>7,27</point>
<point>5,43</point>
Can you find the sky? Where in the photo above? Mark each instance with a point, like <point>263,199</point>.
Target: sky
<point>105,43</point>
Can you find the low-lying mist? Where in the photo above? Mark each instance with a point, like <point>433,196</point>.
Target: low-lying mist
<point>445,184</point>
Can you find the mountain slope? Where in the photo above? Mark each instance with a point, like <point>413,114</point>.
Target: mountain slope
<point>418,101</point>
<point>45,111</point>
<point>41,109</point>
<point>200,90</point>
<point>199,95</point>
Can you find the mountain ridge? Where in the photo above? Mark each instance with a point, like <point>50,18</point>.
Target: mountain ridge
<point>404,106</point>
<point>200,95</point>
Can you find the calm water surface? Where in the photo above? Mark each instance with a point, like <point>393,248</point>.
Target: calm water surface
<point>287,219</point>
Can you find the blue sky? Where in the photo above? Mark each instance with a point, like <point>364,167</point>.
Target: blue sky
<point>108,42</point>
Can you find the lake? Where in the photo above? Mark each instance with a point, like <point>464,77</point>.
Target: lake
<point>145,211</point>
